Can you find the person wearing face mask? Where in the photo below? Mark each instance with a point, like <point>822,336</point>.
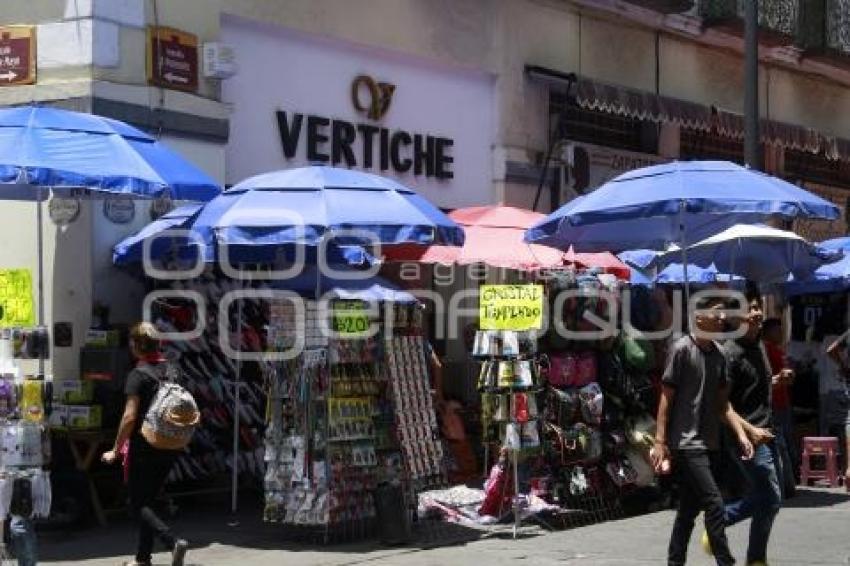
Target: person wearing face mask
<point>751,382</point>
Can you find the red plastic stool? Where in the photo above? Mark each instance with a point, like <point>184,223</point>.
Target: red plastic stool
<point>826,446</point>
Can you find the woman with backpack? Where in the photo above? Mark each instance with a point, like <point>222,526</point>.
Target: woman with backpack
<point>159,418</point>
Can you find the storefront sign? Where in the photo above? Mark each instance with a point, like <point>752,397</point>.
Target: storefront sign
<point>119,209</point>
<point>350,319</point>
<point>172,59</point>
<point>16,304</point>
<point>17,55</point>
<point>380,148</point>
<point>510,307</point>
<point>64,211</point>
<point>379,95</point>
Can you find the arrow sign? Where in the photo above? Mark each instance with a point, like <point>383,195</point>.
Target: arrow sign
<point>9,76</point>
<point>172,78</point>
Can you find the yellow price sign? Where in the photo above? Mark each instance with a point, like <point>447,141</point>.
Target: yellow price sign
<point>16,305</point>
<point>510,307</point>
<point>351,320</point>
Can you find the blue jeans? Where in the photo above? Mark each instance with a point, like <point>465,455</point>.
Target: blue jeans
<point>24,541</point>
<point>761,502</point>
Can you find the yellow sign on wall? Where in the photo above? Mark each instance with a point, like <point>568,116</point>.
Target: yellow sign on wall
<point>16,305</point>
<point>510,307</point>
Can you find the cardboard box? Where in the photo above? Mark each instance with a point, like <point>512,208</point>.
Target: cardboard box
<point>73,392</point>
<point>85,418</point>
<point>60,417</point>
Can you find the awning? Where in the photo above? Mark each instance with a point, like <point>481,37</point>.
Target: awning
<point>632,103</point>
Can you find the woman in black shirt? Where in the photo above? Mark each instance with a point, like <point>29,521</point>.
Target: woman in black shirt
<point>148,466</point>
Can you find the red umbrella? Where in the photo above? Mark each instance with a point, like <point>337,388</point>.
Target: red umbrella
<point>494,236</point>
<point>603,260</point>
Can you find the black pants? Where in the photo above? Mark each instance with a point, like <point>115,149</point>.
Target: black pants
<point>148,469</point>
<point>698,492</point>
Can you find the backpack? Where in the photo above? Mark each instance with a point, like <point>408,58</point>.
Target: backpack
<point>172,417</point>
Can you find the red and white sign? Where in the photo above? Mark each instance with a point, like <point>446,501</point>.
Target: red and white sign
<point>17,55</point>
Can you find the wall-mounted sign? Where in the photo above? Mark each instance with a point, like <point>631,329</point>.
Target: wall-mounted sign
<point>16,305</point>
<point>161,205</point>
<point>380,148</point>
<point>172,58</point>
<point>17,55</point>
<point>510,307</point>
<point>119,209</point>
<point>64,211</point>
<point>378,94</point>
<point>589,166</point>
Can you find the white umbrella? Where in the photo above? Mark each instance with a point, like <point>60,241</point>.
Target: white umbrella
<point>754,251</point>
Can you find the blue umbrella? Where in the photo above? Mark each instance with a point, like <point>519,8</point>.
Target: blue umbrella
<point>656,206</point>
<point>130,249</point>
<point>62,150</point>
<point>327,200</point>
<point>643,272</point>
<point>828,278</point>
<point>756,252</point>
<point>43,149</point>
<point>372,289</point>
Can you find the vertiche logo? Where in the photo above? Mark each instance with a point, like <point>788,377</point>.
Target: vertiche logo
<point>380,96</point>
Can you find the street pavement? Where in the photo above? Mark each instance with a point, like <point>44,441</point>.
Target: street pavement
<point>813,528</point>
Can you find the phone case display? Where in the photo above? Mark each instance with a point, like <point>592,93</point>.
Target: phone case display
<point>418,431</point>
<point>295,440</point>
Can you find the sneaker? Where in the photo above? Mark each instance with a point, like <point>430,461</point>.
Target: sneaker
<point>179,552</point>
<point>706,544</point>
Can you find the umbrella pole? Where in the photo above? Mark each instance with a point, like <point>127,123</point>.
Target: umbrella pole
<point>40,253</point>
<point>683,243</point>
<point>237,390</point>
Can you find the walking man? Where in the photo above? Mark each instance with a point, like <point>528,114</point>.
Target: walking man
<point>751,382</point>
<point>694,401</point>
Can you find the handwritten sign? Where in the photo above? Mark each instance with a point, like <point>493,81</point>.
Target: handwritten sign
<point>172,60</point>
<point>510,307</point>
<point>16,305</point>
<point>351,320</point>
<point>17,55</point>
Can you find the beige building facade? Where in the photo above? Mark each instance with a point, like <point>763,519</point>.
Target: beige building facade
<point>460,99</point>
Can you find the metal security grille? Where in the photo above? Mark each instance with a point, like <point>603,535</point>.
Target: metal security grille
<point>697,144</point>
<point>600,128</point>
<point>816,168</point>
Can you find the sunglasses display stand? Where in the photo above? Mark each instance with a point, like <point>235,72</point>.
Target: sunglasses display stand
<point>508,383</point>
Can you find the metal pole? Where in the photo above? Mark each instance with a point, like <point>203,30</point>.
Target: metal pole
<point>234,496</point>
<point>751,85</point>
<point>684,244</point>
<point>40,242</point>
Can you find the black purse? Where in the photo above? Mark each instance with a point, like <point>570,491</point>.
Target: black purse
<point>21,504</point>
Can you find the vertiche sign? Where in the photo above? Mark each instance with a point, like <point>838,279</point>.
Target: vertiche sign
<point>17,55</point>
<point>510,307</point>
<point>172,58</point>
